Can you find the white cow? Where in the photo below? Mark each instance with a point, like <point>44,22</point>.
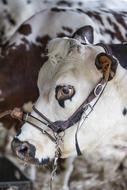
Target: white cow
<point>74,68</point>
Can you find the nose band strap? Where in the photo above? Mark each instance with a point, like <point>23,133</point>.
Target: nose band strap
<point>37,123</point>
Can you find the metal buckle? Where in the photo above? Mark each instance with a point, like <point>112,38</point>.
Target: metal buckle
<point>98,89</point>
<point>25,116</point>
<point>87,109</point>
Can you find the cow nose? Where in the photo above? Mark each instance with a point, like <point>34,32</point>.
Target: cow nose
<point>22,149</point>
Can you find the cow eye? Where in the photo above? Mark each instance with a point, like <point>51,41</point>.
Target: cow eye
<point>64,92</point>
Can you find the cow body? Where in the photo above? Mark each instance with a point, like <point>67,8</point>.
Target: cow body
<point>13,13</point>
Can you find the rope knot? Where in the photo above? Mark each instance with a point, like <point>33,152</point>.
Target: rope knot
<point>16,113</point>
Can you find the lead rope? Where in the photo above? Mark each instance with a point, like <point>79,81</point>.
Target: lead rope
<point>16,113</point>
<point>59,140</point>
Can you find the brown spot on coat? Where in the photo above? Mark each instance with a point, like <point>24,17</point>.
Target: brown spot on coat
<point>25,29</point>
<point>10,19</point>
<point>60,35</point>
<point>109,20</point>
<point>118,34</point>
<point>43,40</point>
<point>95,15</point>
<point>56,9</point>
<point>63,3</point>
<point>18,75</point>
<point>80,11</point>
<point>120,19</point>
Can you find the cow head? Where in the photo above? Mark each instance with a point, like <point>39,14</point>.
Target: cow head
<point>66,79</point>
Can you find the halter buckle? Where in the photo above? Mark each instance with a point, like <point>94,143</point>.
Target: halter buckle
<point>98,89</point>
<point>87,109</point>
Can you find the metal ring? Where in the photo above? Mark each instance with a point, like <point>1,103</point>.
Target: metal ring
<point>98,89</point>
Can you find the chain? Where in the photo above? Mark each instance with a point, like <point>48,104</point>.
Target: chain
<point>59,139</point>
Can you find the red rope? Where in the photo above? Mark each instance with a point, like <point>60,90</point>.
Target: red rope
<point>5,113</point>
<point>16,113</point>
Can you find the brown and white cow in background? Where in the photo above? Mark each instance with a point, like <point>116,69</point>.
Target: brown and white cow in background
<point>13,13</point>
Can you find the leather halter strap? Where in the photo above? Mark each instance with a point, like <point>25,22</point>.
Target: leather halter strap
<point>61,125</point>
<point>106,48</point>
<point>35,122</point>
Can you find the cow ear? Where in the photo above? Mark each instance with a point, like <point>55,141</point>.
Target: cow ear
<point>105,62</point>
<point>84,34</point>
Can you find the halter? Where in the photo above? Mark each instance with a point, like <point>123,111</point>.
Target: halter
<point>80,115</point>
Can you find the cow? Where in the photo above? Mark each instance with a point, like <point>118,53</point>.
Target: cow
<point>13,13</point>
<point>18,55</point>
<point>24,54</point>
<point>81,85</point>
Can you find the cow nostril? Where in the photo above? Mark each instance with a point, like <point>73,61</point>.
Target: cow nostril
<point>23,149</point>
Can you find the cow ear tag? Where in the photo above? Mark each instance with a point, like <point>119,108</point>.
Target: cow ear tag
<point>107,64</point>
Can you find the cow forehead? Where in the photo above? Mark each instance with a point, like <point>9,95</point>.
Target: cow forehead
<point>66,61</point>
<point>64,48</point>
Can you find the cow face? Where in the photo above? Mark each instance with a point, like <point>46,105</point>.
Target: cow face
<point>64,82</point>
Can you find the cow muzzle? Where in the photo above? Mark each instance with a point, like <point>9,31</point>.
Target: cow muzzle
<point>24,150</point>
